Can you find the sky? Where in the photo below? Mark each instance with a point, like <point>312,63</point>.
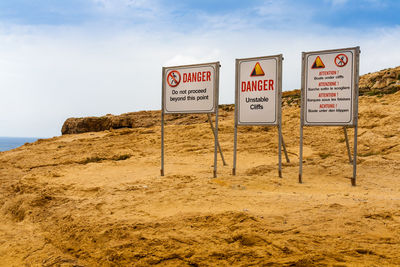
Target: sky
<point>78,58</point>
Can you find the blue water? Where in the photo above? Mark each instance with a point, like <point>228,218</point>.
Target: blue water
<point>8,143</point>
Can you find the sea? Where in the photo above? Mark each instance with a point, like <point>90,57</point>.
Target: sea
<point>8,143</point>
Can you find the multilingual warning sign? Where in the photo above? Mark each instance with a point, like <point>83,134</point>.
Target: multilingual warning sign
<point>258,89</point>
<point>190,88</point>
<point>329,91</point>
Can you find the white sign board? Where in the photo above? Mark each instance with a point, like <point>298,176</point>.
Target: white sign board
<point>258,88</point>
<point>191,88</point>
<point>329,93</point>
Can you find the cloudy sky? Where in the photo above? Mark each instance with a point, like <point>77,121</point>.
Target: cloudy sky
<point>76,58</point>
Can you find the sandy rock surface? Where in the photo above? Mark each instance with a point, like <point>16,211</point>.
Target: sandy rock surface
<point>97,198</point>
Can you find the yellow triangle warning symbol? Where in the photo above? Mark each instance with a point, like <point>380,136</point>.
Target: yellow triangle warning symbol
<point>318,64</point>
<point>257,71</point>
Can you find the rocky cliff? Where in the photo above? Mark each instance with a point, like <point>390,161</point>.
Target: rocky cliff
<point>386,81</point>
<point>133,120</point>
<point>97,124</point>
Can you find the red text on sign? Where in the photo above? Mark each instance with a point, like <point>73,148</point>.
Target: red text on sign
<point>327,94</point>
<point>327,106</point>
<point>204,76</point>
<point>260,85</point>
<point>327,84</point>
<point>330,72</point>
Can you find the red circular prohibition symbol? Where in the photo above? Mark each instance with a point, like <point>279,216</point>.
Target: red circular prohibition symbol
<point>341,60</point>
<point>174,78</point>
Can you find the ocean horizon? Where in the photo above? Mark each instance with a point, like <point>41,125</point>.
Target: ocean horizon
<point>8,143</point>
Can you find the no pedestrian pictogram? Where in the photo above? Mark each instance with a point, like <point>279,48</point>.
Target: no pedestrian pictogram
<point>173,78</point>
<point>341,60</point>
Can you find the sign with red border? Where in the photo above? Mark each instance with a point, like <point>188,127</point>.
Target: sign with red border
<point>174,78</point>
<point>341,60</point>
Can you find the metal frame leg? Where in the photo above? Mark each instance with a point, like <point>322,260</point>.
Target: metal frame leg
<point>219,146</point>
<point>285,151</point>
<point>301,154</point>
<point>162,143</point>
<point>216,143</point>
<point>347,144</point>
<point>353,180</point>
<point>302,117</point>
<point>280,150</point>
<point>234,149</point>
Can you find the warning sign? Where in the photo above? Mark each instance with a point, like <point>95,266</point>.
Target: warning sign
<point>174,78</point>
<point>329,87</point>
<point>318,64</point>
<point>257,71</point>
<point>258,90</point>
<point>341,60</point>
<point>191,88</point>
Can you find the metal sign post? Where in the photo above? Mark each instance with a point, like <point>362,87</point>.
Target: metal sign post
<point>329,94</point>
<point>346,138</point>
<point>191,89</point>
<point>284,150</point>
<point>219,146</point>
<point>258,98</point>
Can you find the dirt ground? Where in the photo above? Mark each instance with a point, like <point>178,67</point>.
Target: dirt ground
<point>98,198</point>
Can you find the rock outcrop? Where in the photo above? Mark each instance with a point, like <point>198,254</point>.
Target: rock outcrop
<point>97,124</point>
<point>133,120</point>
<point>386,81</point>
<point>382,82</point>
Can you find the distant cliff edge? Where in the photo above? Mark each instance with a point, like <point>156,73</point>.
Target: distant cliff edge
<point>386,81</point>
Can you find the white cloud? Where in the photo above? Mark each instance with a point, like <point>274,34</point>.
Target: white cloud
<point>126,11</point>
<point>193,55</point>
<point>51,73</point>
